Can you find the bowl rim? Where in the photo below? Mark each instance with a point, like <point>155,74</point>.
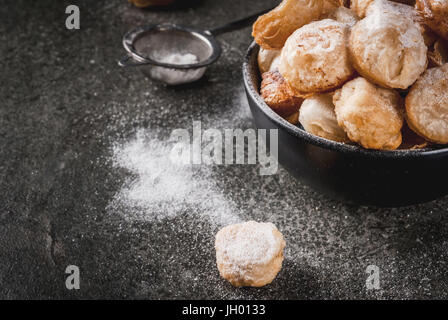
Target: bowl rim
<point>253,91</point>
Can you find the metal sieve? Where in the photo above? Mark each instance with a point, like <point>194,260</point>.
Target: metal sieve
<point>149,46</point>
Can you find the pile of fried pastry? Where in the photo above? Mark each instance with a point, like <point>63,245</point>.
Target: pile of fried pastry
<point>371,72</point>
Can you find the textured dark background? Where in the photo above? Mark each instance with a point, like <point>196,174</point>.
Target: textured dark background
<point>64,103</point>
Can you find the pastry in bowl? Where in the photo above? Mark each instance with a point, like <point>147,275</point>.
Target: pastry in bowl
<point>387,47</point>
<point>315,58</point>
<point>372,116</point>
<point>317,116</point>
<point>278,96</point>
<point>427,105</point>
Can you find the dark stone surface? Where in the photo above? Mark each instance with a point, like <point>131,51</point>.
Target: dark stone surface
<point>65,103</point>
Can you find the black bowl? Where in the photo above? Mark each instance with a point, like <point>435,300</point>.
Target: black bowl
<point>348,172</point>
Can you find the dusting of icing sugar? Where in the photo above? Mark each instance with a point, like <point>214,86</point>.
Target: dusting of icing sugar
<point>163,188</point>
<point>176,76</point>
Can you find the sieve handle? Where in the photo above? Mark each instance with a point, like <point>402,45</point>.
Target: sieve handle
<point>125,62</point>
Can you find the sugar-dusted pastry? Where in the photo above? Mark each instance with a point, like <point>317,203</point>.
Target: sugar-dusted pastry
<point>249,253</point>
<point>362,8</point>
<point>277,95</point>
<point>427,105</point>
<point>371,116</point>
<point>387,47</point>
<point>317,116</point>
<point>344,15</point>
<point>315,58</point>
<point>435,15</point>
<point>268,60</point>
<point>273,28</point>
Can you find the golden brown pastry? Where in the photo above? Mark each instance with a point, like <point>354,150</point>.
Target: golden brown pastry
<point>315,58</point>
<point>361,6</point>
<point>249,253</point>
<point>273,28</point>
<point>427,105</point>
<point>268,60</point>
<point>277,94</point>
<point>317,116</point>
<point>435,15</point>
<point>387,47</point>
<point>370,115</point>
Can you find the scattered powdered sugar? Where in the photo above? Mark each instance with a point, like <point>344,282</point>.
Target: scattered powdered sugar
<point>163,187</point>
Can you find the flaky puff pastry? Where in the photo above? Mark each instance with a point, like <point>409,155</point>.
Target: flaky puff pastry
<point>370,115</point>
<point>249,253</point>
<point>435,15</point>
<point>317,116</point>
<point>387,47</point>
<point>273,28</point>
<point>315,58</point>
<point>427,105</point>
<point>277,95</point>
<point>361,7</point>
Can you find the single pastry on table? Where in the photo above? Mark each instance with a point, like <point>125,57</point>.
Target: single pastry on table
<point>273,28</point>
<point>387,47</point>
<point>277,95</point>
<point>370,115</point>
<point>249,253</point>
<point>317,116</point>
<point>427,105</point>
<point>435,15</point>
<point>315,58</point>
